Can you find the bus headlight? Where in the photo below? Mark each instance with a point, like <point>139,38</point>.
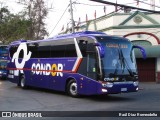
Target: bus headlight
<point>104,90</point>
<point>137,89</point>
<point>135,83</point>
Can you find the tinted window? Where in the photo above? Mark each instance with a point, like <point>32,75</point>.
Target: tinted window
<point>50,49</point>
<point>21,54</point>
<point>63,48</point>
<point>3,52</point>
<point>83,47</point>
<point>39,50</point>
<point>34,49</point>
<point>58,51</point>
<point>12,50</point>
<point>70,49</point>
<point>44,50</point>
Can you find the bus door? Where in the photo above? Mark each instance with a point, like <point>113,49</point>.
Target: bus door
<point>89,65</point>
<point>91,61</point>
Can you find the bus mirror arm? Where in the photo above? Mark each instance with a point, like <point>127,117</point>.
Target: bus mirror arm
<point>97,44</point>
<point>143,51</point>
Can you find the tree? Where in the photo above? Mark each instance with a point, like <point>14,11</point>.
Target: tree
<point>4,12</point>
<point>13,27</point>
<point>28,24</point>
<point>36,12</point>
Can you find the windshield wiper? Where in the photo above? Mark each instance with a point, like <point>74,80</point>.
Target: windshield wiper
<point>120,59</point>
<point>124,63</point>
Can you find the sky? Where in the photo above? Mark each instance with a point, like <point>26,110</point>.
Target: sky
<point>55,22</point>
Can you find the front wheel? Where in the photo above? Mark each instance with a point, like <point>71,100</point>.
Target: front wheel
<point>72,88</point>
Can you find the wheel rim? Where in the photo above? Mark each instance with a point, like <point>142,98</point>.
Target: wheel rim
<point>73,88</point>
<point>22,82</point>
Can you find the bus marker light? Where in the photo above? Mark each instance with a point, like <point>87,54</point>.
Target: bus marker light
<point>104,90</point>
<point>135,83</point>
<point>81,78</point>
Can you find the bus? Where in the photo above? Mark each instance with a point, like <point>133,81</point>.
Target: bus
<point>81,63</point>
<point>3,61</point>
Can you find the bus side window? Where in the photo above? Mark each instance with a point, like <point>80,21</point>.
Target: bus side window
<point>70,49</point>
<point>83,47</point>
<point>44,51</point>
<point>58,49</point>
<point>12,50</point>
<point>33,49</point>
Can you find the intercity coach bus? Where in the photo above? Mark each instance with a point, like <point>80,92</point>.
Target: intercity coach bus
<point>82,63</point>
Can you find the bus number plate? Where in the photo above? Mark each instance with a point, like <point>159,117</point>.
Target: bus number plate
<point>123,89</point>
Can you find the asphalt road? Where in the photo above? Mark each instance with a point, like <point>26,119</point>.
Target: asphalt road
<point>13,98</point>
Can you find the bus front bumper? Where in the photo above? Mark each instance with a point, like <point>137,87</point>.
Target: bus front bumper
<point>118,87</point>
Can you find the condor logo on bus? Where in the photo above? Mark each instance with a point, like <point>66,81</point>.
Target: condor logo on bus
<point>47,69</point>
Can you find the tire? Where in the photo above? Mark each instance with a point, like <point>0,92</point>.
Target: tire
<point>72,88</point>
<point>22,82</point>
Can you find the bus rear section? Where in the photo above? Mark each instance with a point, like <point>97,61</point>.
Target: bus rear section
<point>79,64</point>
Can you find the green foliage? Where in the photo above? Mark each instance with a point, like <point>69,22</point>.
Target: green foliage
<point>28,24</point>
<point>13,27</point>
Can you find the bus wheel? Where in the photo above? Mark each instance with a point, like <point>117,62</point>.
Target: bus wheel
<point>72,88</point>
<point>23,82</point>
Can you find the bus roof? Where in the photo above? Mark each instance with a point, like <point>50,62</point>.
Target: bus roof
<point>58,37</point>
<point>83,33</point>
<point>72,35</point>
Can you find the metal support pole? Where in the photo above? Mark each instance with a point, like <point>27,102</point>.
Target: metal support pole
<point>72,20</point>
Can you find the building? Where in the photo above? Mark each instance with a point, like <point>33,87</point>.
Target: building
<point>141,28</point>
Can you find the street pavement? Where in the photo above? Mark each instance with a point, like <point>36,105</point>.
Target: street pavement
<point>13,98</point>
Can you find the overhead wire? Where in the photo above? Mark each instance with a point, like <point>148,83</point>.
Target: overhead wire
<point>59,20</point>
<point>99,5</point>
<point>75,2</point>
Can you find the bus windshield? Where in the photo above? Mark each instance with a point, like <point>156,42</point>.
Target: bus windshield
<point>3,52</point>
<point>3,61</point>
<point>119,58</point>
<point>3,64</point>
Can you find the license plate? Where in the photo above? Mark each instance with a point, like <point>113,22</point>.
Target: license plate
<point>123,89</point>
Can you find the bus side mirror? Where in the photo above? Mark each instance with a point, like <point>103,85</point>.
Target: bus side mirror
<point>101,49</point>
<point>142,50</point>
